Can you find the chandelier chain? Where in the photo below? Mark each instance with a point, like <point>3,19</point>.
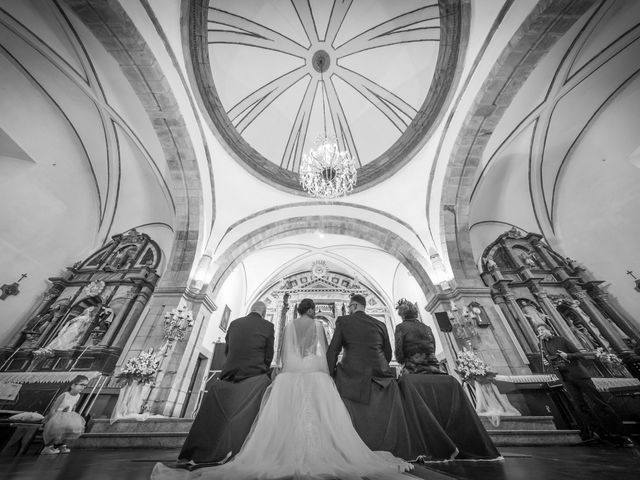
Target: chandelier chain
<point>325,171</point>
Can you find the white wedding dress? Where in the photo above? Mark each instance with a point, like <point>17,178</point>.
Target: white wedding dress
<point>303,430</point>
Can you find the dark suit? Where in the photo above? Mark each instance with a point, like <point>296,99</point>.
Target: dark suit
<point>249,348</point>
<point>576,379</point>
<point>231,403</point>
<point>367,352</point>
<point>367,384</point>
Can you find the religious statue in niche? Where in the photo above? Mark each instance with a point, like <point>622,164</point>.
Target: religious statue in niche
<point>588,325</point>
<point>584,337</point>
<point>573,315</point>
<point>477,311</point>
<point>122,258</point>
<point>72,332</point>
<point>534,314</point>
<point>104,317</point>
<point>529,259</point>
<point>514,233</point>
<point>38,324</point>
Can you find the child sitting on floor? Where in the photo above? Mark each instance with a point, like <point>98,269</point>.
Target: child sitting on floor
<point>62,423</point>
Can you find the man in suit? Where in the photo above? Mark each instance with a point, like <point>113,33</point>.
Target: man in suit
<point>232,402</point>
<point>365,380</point>
<point>566,360</point>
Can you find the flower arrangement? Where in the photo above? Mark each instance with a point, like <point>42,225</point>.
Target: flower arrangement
<point>471,367</point>
<point>142,368</point>
<point>607,357</point>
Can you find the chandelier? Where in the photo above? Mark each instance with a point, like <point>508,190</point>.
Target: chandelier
<point>325,171</point>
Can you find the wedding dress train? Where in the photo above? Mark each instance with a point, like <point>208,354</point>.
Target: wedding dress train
<point>303,430</point>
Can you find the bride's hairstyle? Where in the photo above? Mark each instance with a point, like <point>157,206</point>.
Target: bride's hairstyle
<point>305,305</point>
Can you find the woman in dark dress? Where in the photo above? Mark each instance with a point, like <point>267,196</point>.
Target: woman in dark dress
<point>415,345</point>
<point>428,393</point>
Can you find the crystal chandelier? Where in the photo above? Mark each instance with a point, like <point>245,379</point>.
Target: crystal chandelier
<point>325,171</point>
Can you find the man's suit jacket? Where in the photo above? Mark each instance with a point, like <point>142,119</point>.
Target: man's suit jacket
<point>367,352</point>
<point>249,348</point>
<point>569,369</point>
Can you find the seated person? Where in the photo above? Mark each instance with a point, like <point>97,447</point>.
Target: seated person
<point>232,402</point>
<point>439,399</point>
<point>369,390</point>
<point>415,345</point>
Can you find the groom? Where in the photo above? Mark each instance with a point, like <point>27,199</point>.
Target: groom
<point>365,381</point>
<point>232,402</point>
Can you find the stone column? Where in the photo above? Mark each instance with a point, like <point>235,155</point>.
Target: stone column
<point>279,322</point>
<point>544,254</point>
<point>510,316</point>
<point>142,295</point>
<point>181,361</point>
<point>600,321</point>
<point>128,301</point>
<point>522,323</point>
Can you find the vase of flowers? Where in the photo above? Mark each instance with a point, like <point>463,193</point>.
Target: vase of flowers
<point>142,368</point>
<point>471,367</point>
<point>489,402</point>
<point>138,374</point>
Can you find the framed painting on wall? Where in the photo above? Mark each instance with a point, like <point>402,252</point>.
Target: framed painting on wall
<point>224,321</point>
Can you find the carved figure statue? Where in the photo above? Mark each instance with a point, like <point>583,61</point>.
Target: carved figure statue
<point>122,257</point>
<point>583,336</point>
<point>38,323</point>
<point>589,326</point>
<point>491,265</point>
<point>71,333</point>
<point>535,316</point>
<point>529,259</point>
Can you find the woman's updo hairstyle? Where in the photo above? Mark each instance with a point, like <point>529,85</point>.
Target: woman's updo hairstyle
<point>305,305</point>
<point>406,309</point>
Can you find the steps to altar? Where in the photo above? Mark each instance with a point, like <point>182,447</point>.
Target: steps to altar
<point>528,431</point>
<point>170,433</point>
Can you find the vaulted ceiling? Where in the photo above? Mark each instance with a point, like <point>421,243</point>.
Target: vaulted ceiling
<point>187,119</point>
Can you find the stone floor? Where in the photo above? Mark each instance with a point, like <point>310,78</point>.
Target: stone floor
<point>520,463</point>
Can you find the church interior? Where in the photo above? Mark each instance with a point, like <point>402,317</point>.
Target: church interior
<point>164,165</point>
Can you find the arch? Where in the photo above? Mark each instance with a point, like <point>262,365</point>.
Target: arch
<point>278,274</point>
<point>387,240</point>
<point>540,31</point>
<point>111,25</point>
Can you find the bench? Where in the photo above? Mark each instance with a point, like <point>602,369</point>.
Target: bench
<point>24,435</point>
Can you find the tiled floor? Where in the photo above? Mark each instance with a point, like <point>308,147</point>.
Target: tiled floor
<point>520,463</point>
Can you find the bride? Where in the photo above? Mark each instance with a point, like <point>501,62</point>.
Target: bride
<point>303,430</point>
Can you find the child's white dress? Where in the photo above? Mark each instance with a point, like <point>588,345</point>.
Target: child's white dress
<point>64,424</point>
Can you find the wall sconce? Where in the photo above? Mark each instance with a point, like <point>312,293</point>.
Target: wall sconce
<point>11,288</point>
